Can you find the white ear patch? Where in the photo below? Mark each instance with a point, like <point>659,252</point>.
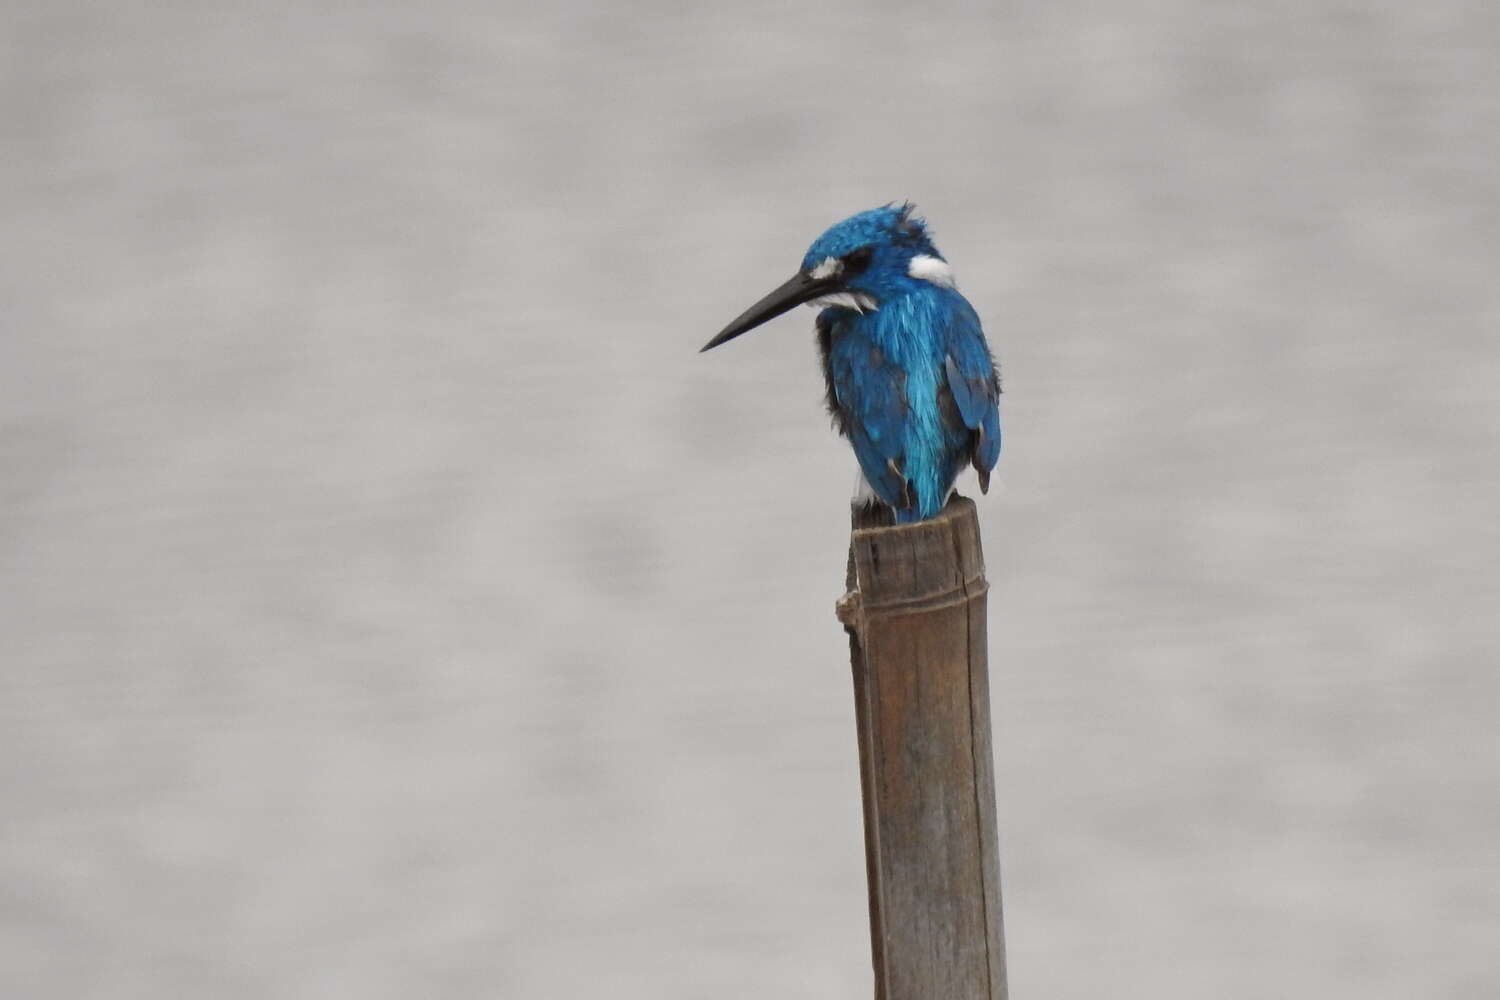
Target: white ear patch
<point>830,267</point>
<point>933,269</point>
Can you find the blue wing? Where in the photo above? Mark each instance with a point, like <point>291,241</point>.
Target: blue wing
<point>975,386</point>
<point>867,396</point>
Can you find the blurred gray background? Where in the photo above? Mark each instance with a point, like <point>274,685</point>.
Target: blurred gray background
<point>394,604</point>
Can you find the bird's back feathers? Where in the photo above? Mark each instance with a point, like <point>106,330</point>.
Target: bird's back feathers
<point>913,387</point>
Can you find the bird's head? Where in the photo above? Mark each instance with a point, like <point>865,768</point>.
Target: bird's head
<point>860,263</point>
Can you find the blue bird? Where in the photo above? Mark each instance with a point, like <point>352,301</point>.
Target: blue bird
<point>911,381</point>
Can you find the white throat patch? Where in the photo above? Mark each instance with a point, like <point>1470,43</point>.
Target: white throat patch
<point>933,269</point>
<point>858,301</point>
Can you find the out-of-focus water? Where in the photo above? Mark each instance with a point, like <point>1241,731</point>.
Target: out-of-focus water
<point>394,604</point>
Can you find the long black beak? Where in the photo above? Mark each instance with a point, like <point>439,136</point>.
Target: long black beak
<point>799,288</point>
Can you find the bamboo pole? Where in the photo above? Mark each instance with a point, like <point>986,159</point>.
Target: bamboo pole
<point>915,614</point>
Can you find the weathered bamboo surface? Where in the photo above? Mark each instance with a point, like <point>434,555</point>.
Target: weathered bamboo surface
<point>915,613</point>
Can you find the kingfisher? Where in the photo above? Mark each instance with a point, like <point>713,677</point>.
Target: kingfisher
<point>911,380</point>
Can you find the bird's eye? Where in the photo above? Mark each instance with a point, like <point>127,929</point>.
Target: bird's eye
<point>857,260</point>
